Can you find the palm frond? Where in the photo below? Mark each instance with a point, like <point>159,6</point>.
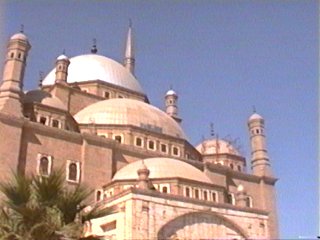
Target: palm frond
<point>48,189</point>
<point>70,203</point>
<point>17,191</point>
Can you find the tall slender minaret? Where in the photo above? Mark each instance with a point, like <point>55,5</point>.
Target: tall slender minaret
<point>260,163</point>
<point>11,89</point>
<point>171,100</point>
<point>129,60</point>
<point>62,65</point>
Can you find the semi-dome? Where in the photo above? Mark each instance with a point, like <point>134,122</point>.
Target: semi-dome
<point>162,168</point>
<point>216,146</point>
<point>96,67</point>
<point>124,111</point>
<point>44,98</point>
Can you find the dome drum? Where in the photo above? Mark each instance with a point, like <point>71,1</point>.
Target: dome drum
<point>107,90</point>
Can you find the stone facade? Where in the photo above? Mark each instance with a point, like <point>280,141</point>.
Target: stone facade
<point>103,132</point>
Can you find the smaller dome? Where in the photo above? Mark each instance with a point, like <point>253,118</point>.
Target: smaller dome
<point>62,57</point>
<point>171,92</point>
<point>162,168</point>
<point>44,98</point>
<point>255,116</point>
<point>217,146</point>
<point>125,111</point>
<point>19,36</point>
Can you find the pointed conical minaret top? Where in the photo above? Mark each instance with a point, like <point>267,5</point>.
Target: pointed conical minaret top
<point>129,60</point>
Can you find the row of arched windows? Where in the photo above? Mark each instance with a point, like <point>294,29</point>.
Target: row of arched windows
<point>45,163</point>
<point>231,200</point>
<point>201,194</point>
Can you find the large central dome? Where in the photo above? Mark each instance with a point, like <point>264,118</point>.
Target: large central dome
<point>96,67</point>
<point>125,111</point>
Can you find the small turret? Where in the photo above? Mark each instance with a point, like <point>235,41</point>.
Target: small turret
<point>143,176</point>
<point>171,100</point>
<point>129,59</point>
<point>260,163</point>
<point>241,197</point>
<point>11,89</point>
<point>62,65</point>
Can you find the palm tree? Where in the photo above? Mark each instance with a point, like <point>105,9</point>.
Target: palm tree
<point>41,208</point>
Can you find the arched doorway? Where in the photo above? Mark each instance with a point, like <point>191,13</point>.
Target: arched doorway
<point>201,225</point>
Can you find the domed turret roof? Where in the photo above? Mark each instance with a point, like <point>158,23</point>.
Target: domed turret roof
<point>62,57</point>
<point>162,168</point>
<point>216,146</point>
<point>96,67</point>
<point>44,98</point>
<point>255,116</point>
<point>19,36</point>
<point>171,92</point>
<point>124,111</point>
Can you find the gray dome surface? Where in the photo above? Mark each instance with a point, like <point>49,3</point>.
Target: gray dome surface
<point>125,111</point>
<point>162,168</point>
<point>96,67</point>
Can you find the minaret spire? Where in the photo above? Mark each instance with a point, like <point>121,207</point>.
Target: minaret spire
<point>129,60</point>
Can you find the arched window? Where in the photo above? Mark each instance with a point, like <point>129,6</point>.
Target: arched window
<point>118,138</point>
<point>214,196</point>
<point>205,195</point>
<point>165,189</point>
<point>151,145</point>
<point>44,166</point>
<point>138,142</point>
<point>98,195</point>
<point>187,192</point>
<point>231,165</point>
<point>196,193</point>
<point>249,201</point>
<point>55,123</point>
<point>230,198</point>
<point>239,168</point>
<point>107,95</point>
<point>73,172</point>
<point>12,55</point>
<point>175,151</point>
<point>163,148</point>
<point>43,120</point>
<point>44,163</point>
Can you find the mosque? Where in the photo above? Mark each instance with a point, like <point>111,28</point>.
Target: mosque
<point>91,117</point>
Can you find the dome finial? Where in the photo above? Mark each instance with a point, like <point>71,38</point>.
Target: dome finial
<point>254,108</point>
<point>40,79</point>
<point>129,59</point>
<point>212,130</point>
<point>64,51</point>
<point>21,28</point>
<point>94,46</point>
<point>130,23</point>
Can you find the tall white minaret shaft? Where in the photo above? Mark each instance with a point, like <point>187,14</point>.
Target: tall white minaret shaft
<point>11,89</point>
<point>260,163</point>
<point>129,60</point>
<point>171,101</point>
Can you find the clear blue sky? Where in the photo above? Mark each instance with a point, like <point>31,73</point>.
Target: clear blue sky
<point>221,57</point>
